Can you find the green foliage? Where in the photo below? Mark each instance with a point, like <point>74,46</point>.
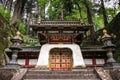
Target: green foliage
<point>30,41</point>
<point>3,45</point>
<point>42,5</point>
<point>5,13</point>
<point>22,28</point>
<point>73,15</point>
<point>4,32</point>
<point>98,22</point>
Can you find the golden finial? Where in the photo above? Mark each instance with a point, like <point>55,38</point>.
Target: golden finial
<point>104,31</point>
<point>99,38</point>
<point>17,33</point>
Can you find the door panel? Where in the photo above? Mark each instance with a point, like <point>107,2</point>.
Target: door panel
<point>60,59</point>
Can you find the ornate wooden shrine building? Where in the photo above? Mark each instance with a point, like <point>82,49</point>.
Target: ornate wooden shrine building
<point>60,47</point>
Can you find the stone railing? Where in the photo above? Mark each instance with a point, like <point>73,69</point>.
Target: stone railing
<point>103,74</point>
<point>54,22</point>
<point>19,75</point>
<point>61,22</point>
<point>33,21</point>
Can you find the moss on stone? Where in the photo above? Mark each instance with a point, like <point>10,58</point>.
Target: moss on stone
<point>5,32</point>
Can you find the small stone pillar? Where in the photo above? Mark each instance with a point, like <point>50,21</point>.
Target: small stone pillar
<point>15,49</point>
<point>109,47</point>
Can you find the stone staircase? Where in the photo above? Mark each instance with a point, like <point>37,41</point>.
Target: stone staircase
<point>78,74</point>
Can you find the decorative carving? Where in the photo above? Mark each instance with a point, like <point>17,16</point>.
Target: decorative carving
<point>60,37</point>
<point>60,59</point>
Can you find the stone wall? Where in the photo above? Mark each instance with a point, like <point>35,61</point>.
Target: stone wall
<point>7,74</point>
<point>5,33</point>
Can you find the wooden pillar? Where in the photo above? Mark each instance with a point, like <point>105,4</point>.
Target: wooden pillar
<point>94,61</point>
<point>105,60</point>
<point>27,60</point>
<point>48,40</point>
<point>73,39</point>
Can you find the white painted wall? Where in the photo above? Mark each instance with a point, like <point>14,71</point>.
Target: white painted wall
<point>88,61</point>
<point>21,61</point>
<point>43,59</point>
<point>33,61</point>
<point>100,61</point>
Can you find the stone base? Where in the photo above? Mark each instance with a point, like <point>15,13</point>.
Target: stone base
<point>79,67</point>
<point>12,66</point>
<point>112,65</point>
<point>42,67</point>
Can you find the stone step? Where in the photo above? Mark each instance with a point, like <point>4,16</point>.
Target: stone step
<point>83,69</point>
<point>61,79</point>
<point>60,76</point>
<point>80,70</point>
<point>60,72</point>
<point>75,74</point>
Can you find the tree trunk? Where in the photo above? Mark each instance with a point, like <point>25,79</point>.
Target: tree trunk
<point>79,8</point>
<point>18,10</point>
<point>3,2</point>
<point>62,15</point>
<point>9,5</point>
<point>27,23</point>
<point>104,14</point>
<point>90,21</point>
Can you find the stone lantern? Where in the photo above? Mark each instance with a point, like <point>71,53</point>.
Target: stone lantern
<point>109,47</point>
<point>15,48</point>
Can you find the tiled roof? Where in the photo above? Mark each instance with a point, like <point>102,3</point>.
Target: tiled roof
<point>61,25</point>
<point>37,49</point>
<point>27,49</point>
